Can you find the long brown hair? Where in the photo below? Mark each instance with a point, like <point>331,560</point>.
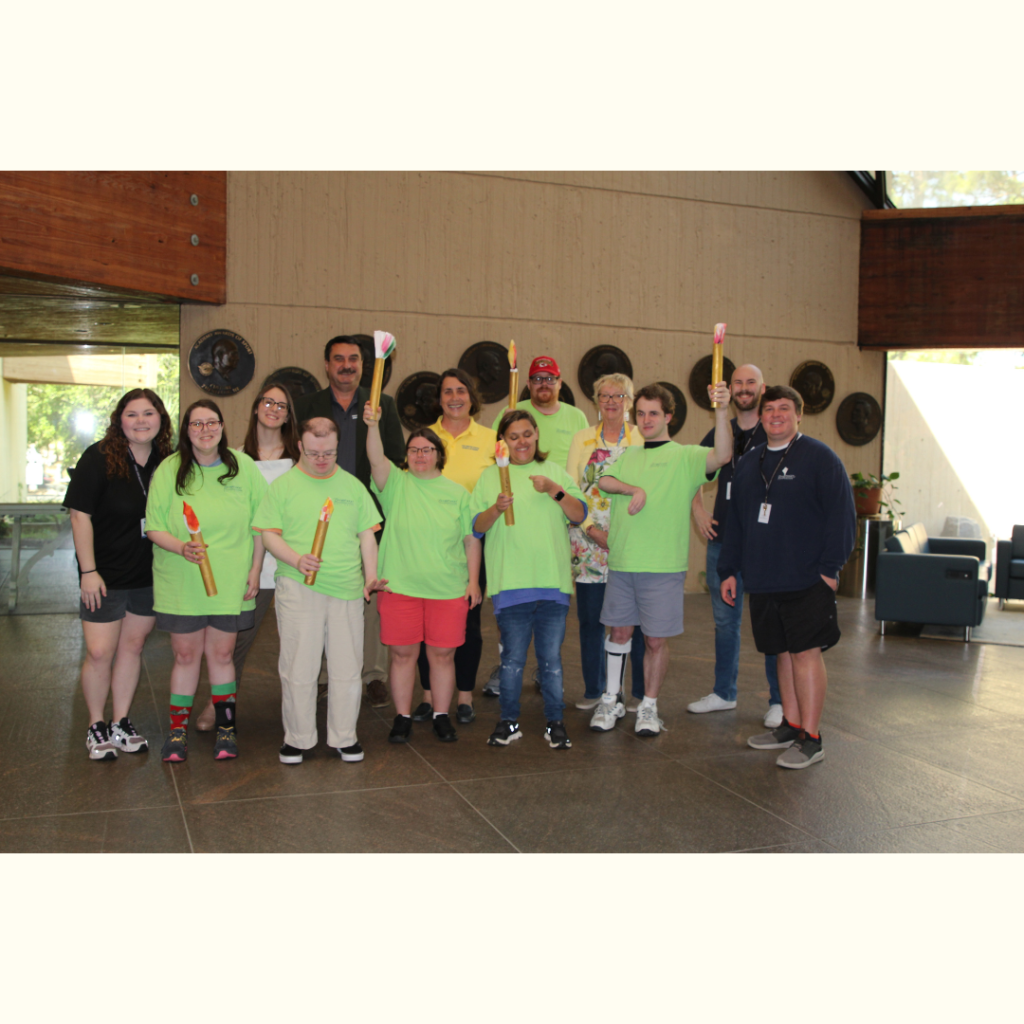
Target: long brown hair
<point>289,429</point>
<point>186,467</point>
<point>114,446</point>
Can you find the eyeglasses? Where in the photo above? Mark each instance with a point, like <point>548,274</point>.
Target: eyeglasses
<point>323,456</point>
<point>421,451</point>
<point>201,424</point>
<point>543,380</point>
<point>269,403</point>
<point>611,398</point>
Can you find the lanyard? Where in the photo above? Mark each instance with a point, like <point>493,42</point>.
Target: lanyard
<point>782,459</point>
<point>745,447</point>
<point>622,434</point>
<point>138,476</point>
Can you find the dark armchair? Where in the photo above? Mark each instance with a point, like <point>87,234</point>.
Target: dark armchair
<point>937,580</point>
<point>1010,567</point>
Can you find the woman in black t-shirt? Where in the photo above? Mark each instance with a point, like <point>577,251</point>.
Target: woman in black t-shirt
<point>107,499</point>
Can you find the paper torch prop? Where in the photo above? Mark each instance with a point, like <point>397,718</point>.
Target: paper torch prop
<point>501,458</point>
<point>513,377</point>
<point>383,346</point>
<point>192,525</point>
<point>718,358</point>
<point>320,536</point>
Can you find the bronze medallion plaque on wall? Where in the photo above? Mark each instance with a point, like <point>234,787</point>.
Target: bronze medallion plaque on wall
<point>816,385</point>
<point>679,416</point>
<point>369,358</point>
<point>700,380</point>
<point>295,380</point>
<point>564,394</point>
<point>486,362</point>
<point>221,363</point>
<point>417,399</point>
<point>599,361</point>
<point>858,418</point>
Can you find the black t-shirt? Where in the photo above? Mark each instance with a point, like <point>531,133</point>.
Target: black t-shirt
<point>124,555</point>
<point>743,441</point>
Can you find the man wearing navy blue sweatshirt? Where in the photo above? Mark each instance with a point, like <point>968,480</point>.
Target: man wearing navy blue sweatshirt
<point>791,527</point>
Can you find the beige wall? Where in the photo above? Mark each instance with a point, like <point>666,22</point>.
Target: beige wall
<point>13,427</point>
<point>560,262</point>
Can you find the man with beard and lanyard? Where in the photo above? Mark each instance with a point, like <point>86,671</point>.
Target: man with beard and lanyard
<point>747,388</point>
<point>342,401</point>
<point>791,528</point>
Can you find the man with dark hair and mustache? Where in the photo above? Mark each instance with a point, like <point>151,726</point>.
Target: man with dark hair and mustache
<point>342,401</point>
<point>747,388</point>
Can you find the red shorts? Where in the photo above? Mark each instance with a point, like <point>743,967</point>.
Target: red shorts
<point>408,620</point>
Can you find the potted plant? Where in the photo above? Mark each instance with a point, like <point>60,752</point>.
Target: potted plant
<point>872,494</point>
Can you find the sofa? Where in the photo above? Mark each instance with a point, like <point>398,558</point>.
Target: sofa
<point>1010,567</point>
<point>941,581</point>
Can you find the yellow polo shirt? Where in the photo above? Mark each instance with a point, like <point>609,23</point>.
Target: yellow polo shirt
<point>469,454</point>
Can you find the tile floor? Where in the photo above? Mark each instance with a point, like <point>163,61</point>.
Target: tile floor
<point>924,741</point>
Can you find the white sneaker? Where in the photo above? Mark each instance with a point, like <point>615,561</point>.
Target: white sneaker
<point>712,702</point>
<point>493,683</point>
<point>586,703</point>
<point>773,717</point>
<point>608,711</point>
<point>647,721</point>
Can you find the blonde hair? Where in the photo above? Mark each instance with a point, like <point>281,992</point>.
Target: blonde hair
<point>619,380</point>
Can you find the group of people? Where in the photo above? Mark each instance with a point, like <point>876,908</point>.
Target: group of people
<point>376,552</point>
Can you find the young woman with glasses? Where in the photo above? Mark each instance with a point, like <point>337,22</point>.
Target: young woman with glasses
<point>430,562</point>
<point>223,489</point>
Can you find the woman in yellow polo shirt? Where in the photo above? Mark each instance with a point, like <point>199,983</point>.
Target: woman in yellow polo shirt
<point>593,451</point>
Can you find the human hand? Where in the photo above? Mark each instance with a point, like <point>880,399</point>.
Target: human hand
<point>728,590</point>
<point>308,564</point>
<point>719,393</point>
<point>93,588</point>
<point>504,502</point>
<point>833,583</point>
<point>599,537</point>
<point>373,585</point>
<point>473,595</point>
<point>704,522</point>
<point>252,587</point>
<point>194,552</point>
<point>637,502</point>
<point>371,416</point>
<point>544,485</point>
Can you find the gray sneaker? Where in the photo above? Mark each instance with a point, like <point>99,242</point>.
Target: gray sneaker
<point>99,743</point>
<point>492,685</point>
<point>802,754</point>
<point>124,737</point>
<point>784,736</point>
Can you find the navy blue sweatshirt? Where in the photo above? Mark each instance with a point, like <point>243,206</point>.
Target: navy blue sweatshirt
<point>812,525</point>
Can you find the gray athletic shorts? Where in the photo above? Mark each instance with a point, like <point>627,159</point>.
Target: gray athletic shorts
<point>193,623</point>
<point>138,601</point>
<point>651,600</point>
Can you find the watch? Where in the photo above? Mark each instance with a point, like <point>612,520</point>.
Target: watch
<point>560,495</point>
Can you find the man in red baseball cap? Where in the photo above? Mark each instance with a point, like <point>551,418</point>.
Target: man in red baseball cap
<point>556,422</point>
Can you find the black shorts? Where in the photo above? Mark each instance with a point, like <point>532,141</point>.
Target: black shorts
<point>138,601</point>
<point>795,620</point>
<point>168,623</point>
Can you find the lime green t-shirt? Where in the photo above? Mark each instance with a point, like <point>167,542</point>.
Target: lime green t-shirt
<point>533,554</point>
<point>292,506</point>
<point>555,432</point>
<point>225,514</point>
<point>423,553</point>
<point>657,538</point>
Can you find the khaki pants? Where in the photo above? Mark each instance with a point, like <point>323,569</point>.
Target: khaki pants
<point>375,654</point>
<point>312,624</point>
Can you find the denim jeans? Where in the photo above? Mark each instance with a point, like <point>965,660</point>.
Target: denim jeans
<point>589,599</point>
<point>545,622</point>
<point>727,635</point>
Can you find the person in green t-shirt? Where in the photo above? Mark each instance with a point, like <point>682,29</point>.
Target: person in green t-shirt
<point>648,542</point>
<point>222,489</point>
<point>557,422</point>
<point>431,560</point>
<point>529,577</point>
<point>320,597</point>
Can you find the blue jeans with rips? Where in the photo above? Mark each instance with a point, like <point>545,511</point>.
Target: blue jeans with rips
<point>727,635</point>
<point>544,621</point>
<point>589,599</point>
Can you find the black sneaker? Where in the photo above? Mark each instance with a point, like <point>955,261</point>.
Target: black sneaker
<point>423,713</point>
<point>465,714</point>
<point>353,753</point>
<point>504,733</point>
<point>802,754</point>
<point>99,743</point>
<point>400,730</point>
<point>124,737</point>
<point>289,754</point>
<point>444,730</point>
<point>225,746</point>
<point>175,746</point>
<point>784,736</point>
<point>557,737</point>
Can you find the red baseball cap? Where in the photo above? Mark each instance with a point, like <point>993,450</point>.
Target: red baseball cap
<point>542,363</point>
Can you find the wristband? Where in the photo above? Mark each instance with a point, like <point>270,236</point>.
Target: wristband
<point>84,571</point>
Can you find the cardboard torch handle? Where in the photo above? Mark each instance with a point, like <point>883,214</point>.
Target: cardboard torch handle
<point>318,544</point>
<point>377,385</point>
<point>717,367</point>
<point>513,389</point>
<point>205,569</point>
<point>506,489</point>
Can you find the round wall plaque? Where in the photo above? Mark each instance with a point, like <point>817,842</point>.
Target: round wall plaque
<point>599,361</point>
<point>486,362</point>
<point>295,379</point>
<point>417,399</point>
<point>679,416</point>
<point>858,418</point>
<point>700,380</point>
<point>221,363</point>
<point>816,385</point>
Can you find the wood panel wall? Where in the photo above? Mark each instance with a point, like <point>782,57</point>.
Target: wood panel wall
<point>126,230</point>
<point>950,278</point>
<point>561,263</point>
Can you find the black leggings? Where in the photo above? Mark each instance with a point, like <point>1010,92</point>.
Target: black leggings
<point>467,657</point>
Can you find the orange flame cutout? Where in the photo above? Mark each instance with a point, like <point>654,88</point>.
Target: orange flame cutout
<point>190,518</point>
<point>512,354</point>
<point>327,511</point>
<point>501,451</point>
